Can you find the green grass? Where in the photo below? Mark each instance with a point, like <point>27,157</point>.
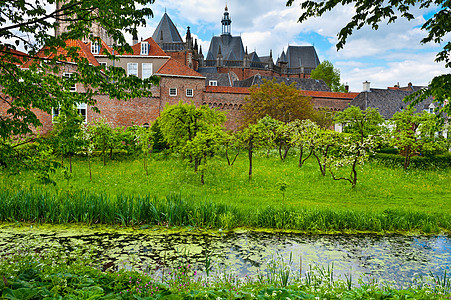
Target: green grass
<point>384,198</point>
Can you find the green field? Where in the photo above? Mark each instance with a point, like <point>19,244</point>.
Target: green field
<point>416,193</point>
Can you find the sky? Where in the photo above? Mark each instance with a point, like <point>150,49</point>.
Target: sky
<point>391,55</point>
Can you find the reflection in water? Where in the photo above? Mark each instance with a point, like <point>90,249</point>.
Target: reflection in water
<point>393,258</point>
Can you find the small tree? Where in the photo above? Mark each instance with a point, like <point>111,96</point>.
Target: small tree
<point>103,136</point>
<point>303,134</point>
<point>360,123</point>
<point>252,137</point>
<point>414,132</point>
<point>279,101</point>
<point>87,145</point>
<point>330,75</point>
<point>231,141</point>
<point>145,141</point>
<point>67,127</point>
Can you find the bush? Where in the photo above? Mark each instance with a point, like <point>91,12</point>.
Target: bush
<point>388,150</point>
<point>416,162</point>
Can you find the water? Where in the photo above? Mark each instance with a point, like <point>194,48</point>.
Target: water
<point>392,258</point>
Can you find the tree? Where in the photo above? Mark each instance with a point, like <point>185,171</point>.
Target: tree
<point>27,25</point>
<point>67,129</point>
<point>303,134</point>
<point>330,75</point>
<point>415,132</point>
<point>102,136</point>
<point>277,100</point>
<point>360,123</point>
<point>373,12</point>
<point>182,123</point>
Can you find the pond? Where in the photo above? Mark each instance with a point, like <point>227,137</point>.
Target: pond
<point>393,258</point>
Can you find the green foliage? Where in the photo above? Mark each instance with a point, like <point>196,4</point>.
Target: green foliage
<point>360,123</point>
<point>41,86</point>
<point>102,135</point>
<point>279,101</point>
<point>159,143</point>
<point>372,13</point>
<point>330,75</point>
<point>416,162</point>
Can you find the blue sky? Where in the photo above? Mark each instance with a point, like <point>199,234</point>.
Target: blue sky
<point>384,57</point>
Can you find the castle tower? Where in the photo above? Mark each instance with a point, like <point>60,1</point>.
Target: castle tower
<point>96,29</point>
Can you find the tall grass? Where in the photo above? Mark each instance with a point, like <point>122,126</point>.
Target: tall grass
<point>32,205</point>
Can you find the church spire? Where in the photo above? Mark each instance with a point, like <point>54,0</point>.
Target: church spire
<point>226,22</point>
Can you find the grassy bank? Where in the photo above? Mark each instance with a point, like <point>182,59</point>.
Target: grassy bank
<point>385,199</point>
<point>53,273</point>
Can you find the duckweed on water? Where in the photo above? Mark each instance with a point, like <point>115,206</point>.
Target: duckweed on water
<point>53,273</point>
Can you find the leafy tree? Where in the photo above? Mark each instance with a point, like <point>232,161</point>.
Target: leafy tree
<point>181,123</point>
<point>277,100</point>
<point>251,138</point>
<point>270,127</point>
<point>360,123</point>
<point>159,143</point>
<point>231,141</point>
<point>67,128</point>
<point>330,75</point>
<point>323,143</point>
<point>144,140</point>
<point>415,132</point>
<point>303,134</point>
<point>87,145</point>
<point>362,134</point>
<point>27,25</point>
<point>372,13</point>
<point>103,137</point>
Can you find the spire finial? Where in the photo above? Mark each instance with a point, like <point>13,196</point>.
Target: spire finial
<point>226,9</point>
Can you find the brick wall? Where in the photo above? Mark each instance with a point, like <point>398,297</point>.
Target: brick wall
<point>229,103</point>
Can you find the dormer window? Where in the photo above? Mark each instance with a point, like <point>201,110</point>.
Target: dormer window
<point>144,48</point>
<point>95,48</point>
<point>213,83</point>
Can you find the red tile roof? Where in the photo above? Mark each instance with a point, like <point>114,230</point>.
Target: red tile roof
<point>227,89</point>
<point>320,94</point>
<point>154,49</point>
<point>174,68</point>
<point>83,51</point>
<point>22,56</point>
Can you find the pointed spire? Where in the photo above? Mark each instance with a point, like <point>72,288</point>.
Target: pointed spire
<point>270,53</point>
<point>246,51</point>
<point>200,49</point>
<point>219,50</point>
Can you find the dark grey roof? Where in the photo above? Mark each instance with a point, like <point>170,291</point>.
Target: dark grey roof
<point>223,79</point>
<point>306,84</point>
<point>282,58</point>
<point>231,47</point>
<point>206,70</point>
<point>266,59</point>
<point>387,101</point>
<point>305,56</point>
<point>166,32</point>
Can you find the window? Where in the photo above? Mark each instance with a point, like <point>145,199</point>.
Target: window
<point>68,76</point>
<point>55,113</point>
<point>147,70</point>
<point>95,48</point>
<point>103,64</point>
<point>82,110</point>
<point>172,92</point>
<point>213,83</point>
<point>144,48</point>
<point>189,92</point>
<point>132,69</point>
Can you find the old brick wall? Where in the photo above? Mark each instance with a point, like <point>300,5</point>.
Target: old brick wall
<point>182,84</point>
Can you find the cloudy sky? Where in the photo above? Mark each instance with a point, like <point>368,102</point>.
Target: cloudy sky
<point>384,57</point>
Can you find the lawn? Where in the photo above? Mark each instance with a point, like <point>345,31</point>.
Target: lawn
<point>379,188</point>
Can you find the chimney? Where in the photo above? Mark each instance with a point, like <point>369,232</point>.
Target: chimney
<point>135,39</point>
<point>366,86</point>
<point>347,88</point>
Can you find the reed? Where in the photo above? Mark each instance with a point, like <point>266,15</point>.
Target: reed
<point>33,205</point>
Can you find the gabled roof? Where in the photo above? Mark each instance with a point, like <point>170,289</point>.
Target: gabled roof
<point>223,79</point>
<point>154,49</point>
<point>83,51</point>
<point>166,32</point>
<point>174,68</point>
<point>305,56</point>
<point>333,95</point>
<point>231,47</point>
<point>282,58</point>
<point>387,101</point>
<point>306,84</point>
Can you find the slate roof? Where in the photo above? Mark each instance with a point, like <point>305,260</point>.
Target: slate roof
<point>174,68</point>
<point>166,32</point>
<point>231,48</point>
<point>282,58</point>
<point>266,59</point>
<point>223,79</point>
<point>306,84</point>
<point>305,56</point>
<point>83,51</point>
<point>387,101</point>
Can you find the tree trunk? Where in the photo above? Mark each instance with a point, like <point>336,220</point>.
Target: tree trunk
<point>111,153</point>
<point>196,164</point>
<point>227,155</point>
<point>321,167</point>
<point>354,173</point>
<point>89,164</point>
<point>301,162</point>
<point>250,149</point>
<point>70,163</point>
<point>407,159</point>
